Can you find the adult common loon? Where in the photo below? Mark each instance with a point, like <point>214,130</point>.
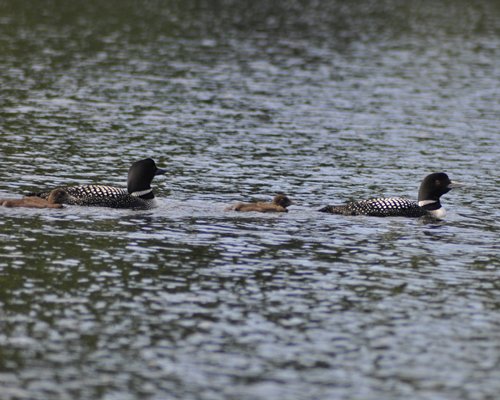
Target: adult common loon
<point>431,189</point>
<point>279,204</point>
<point>137,195</point>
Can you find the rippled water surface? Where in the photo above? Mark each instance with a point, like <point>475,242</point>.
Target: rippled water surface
<point>326,101</point>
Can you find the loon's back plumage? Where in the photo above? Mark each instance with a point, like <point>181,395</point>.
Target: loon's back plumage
<point>379,207</point>
<point>99,196</point>
<point>138,195</point>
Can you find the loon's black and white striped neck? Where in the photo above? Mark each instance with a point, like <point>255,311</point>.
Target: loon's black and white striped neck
<point>138,194</point>
<point>431,189</point>
<point>142,193</point>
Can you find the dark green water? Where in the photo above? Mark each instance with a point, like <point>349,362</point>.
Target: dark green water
<point>326,101</point>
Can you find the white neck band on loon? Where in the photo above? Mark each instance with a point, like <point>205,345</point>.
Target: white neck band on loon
<point>437,211</point>
<point>141,192</point>
<point>422,203</point>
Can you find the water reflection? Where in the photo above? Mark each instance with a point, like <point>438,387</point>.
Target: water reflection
<point>324,101</point>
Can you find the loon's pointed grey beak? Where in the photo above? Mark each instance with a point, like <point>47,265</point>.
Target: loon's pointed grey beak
<point>160,171</point>
<point>455,184</point>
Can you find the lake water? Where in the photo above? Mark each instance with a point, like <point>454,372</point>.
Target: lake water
<point>326,101</point>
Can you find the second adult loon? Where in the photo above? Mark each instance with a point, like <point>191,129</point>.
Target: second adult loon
<point>431,189</point>
<point>138,194</point>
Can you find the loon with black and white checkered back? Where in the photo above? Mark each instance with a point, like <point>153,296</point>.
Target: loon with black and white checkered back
<point>431,189</point>
<point>138,194</point>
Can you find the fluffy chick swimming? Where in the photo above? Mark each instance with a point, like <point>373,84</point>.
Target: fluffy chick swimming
<point>55,199</point>
<point>279,204</point>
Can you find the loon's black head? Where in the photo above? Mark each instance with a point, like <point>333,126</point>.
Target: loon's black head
<point>140,176</point>
<point>282,200</point>
<point>433,187</point>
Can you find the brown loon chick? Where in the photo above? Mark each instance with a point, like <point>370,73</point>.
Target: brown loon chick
<point>55,199</point>
<point>279,204</point>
